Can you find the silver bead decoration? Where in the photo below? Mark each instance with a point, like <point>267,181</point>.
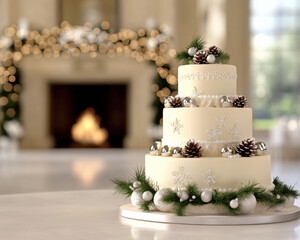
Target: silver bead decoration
<point>167,101</point>
<point>166,151</point>
<point>234,156</point>
<point>177,152</point>
<point>226,151</point>
<point>192,51</point>
<point>261,148</point>
<point>187,102</point>
<point>155,148</point>
<point>211,58</point>
<point>226,101</point>
<point>136,198</point>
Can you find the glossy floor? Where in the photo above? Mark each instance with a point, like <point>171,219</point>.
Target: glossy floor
<point>51,207</point>
<point>64,170</point>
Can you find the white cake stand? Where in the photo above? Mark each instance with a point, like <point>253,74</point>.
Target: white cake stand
<point>286,214</point>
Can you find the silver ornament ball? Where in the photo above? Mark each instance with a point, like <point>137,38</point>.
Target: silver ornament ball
<point>155,148</point>
<point>234,203</point>
<point>159,204</point>
<point>136,184</point>
<point>261,148</point>
<point>183,195</point>
<point>166,151</point>
<point>226,151</point>
<point>226,101</point>
<point>147,196</point>
<point>187,102</point>
<point>167,101</point>
<point>206,196</point>
<point>248,204</point>
<point>192,51</point>
<point>136,198</point>
<point>211,58</point>
<point>177,152</point>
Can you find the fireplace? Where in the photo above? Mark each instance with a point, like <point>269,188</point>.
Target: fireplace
<point>69,103</point>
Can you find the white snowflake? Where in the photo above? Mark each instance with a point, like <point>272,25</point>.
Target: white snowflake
<point>221,121</point>
<point>197,92</point>
<point>214,133</point>
<point>210,177</point>
<point>235,132</point>
<point>176,126</point>
<point>180,177</point>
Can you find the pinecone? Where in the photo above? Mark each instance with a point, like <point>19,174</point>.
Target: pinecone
<point>246,148</point>
<point>192,149</point>
<point>200,57</point>
<point>176,102</point>
<point>214,51</point>
<point>240,102</point>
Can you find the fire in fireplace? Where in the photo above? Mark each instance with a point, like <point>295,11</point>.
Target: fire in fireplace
<point>75,111</point>
<point>87,130</point>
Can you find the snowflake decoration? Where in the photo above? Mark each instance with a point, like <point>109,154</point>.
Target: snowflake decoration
<point>221,121</point>
<point>180,177</point>
<point>176,126</point>
<point>210,177</point>
<point>214,133</point>
<point>235,132</point>
<point>197,92</point>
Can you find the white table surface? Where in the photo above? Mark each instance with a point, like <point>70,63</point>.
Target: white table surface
<point>93,214</point>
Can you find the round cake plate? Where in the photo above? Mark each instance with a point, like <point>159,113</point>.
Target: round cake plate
<point>286,214</point>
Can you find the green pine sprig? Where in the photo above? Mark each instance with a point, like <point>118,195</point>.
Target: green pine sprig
<point>283,189</point>
<point>199,43</point>
<point>126,188</point>
<point>268,198</point>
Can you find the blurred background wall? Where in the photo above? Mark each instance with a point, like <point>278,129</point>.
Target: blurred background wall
<point>262,38</point>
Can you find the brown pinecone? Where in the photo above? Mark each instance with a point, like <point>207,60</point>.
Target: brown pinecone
<point>176,102</point>
<point>240,102</point>
<point>246,148</point>
<point>200,57</point>
<point>192,149</point>
<point>213,50</point>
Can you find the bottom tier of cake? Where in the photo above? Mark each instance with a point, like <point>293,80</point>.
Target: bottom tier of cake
<point>209,172</point>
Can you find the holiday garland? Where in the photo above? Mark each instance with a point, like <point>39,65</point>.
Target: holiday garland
<point>140,183</point>
<point>191,54</point>
<point>66,40</point>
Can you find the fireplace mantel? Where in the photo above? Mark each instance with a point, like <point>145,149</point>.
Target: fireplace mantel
<point>38,74</point>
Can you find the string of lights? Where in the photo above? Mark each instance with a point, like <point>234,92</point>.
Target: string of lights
<point>67,41</point>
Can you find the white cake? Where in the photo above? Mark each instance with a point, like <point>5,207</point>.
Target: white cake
<point>214,127</point>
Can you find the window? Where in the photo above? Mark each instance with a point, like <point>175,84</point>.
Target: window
<point>275,60</point>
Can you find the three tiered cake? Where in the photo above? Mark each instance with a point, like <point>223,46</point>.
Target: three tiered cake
<point>207,161</point>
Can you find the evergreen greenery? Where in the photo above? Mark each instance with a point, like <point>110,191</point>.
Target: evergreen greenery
<point>273,198</point>
<point>199,43</point>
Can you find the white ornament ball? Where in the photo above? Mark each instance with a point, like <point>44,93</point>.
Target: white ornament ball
<point>192,51</point>
<point>206,196</point>
<point>211,58</point>
<point>147,196</point>
<point>234,203</point>
<point>136,184</point>
<point>183,195</point>
<point>159,204</point>
<point>136,198</point>
<point>248,204</point>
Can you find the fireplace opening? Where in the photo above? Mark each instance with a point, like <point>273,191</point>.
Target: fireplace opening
<point>88,115</point>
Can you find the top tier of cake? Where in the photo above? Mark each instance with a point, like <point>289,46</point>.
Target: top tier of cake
<point>207,79</point>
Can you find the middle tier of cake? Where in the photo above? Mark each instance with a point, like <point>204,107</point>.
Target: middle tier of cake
<point>214,128</point>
